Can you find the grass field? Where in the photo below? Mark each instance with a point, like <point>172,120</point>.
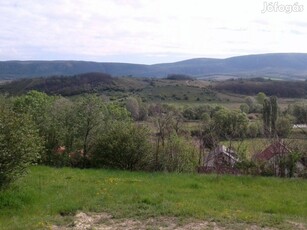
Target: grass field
<point>48,196</point>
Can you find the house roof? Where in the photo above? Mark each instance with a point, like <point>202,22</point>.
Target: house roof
<point>222,150</point>
<point>271,151</point>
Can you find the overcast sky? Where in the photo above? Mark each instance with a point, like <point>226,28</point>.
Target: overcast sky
<point>149,31</point>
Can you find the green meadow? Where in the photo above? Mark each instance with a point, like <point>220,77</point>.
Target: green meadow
<point>52,196</point>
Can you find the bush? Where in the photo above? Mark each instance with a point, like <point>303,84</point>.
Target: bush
<point>283,126</point>
<point>196,112</point>
<point>123,146</point>
<point>178,155</point>
<point>254,129</point>
<point>20,145</point>
<point>244,108</point>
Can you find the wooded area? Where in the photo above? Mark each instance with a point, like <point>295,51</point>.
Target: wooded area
<point>133,135</point>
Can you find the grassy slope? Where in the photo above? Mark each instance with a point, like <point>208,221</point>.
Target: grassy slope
<point>39,199</point>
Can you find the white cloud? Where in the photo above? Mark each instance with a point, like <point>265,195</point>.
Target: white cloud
<point>101,29</point>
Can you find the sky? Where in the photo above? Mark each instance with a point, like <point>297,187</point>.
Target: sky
<point>149,31</point>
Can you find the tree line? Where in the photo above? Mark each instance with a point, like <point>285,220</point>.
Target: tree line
<point>87,131</point>
<point>287,89</point>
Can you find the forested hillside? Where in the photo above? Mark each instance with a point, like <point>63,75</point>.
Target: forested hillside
<point>285,66</point>
<point>175,87</point>
<point>291,89</point>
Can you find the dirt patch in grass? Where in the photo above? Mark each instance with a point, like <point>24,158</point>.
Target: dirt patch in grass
<point>83,221</point>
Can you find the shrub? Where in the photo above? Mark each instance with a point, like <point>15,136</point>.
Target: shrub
<point>178,155</point>
<point>254,129</point>
<point>283,126</point>
<point>123,146</point>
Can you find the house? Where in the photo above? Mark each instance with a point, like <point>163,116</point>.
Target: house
<point>272,152</point>
<point>275,161</point>
<point>220,160</point>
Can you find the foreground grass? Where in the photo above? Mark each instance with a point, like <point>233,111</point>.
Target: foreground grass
<point>52,196</point>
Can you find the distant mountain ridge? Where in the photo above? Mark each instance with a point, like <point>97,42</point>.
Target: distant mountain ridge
<point>282,65</point>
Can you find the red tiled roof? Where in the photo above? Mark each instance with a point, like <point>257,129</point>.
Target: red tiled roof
<point>271,151</point>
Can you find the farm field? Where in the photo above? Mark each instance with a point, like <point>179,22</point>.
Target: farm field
<point>51,197</point>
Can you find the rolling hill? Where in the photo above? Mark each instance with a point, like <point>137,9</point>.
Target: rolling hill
<point>283,66</point>
<point>173,88</point>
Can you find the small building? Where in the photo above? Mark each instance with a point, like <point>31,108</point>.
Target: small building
<point>220,160</point>
<point>274,160</point>
<point>273,151</point>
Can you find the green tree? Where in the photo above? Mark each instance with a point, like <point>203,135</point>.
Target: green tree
<point>143,113</point>
<point>260,98</point>
<point>244,108</point>
<point>274,106</point>
<point>90,116</point>
<point>283,126</point>
<point>250,101</point>
<point>179,155</point>
<point>60,130</point>
<point>230,124</point>
<point>35,104</point>
<point>287,164</point>
<point>254,129</point>
<point>20,144</point>
<point>63,122</point>
<point>267,111</point>
<point>132,105</point>
<point>299,111</point>
<point>270,114</point>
